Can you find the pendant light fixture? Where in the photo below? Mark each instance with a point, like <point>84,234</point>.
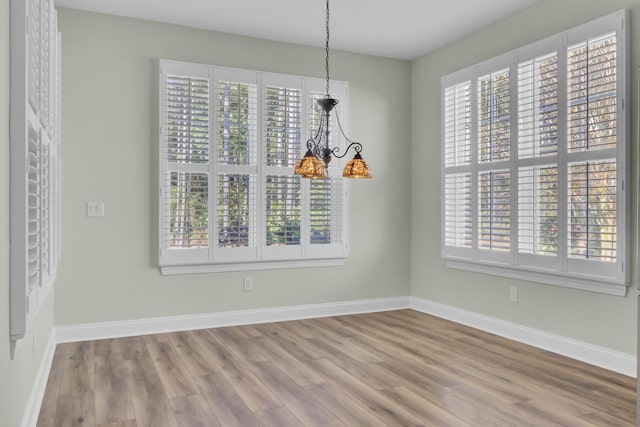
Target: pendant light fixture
<point>315,162</point>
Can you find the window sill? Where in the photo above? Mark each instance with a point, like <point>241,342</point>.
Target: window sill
<point>588,283</point>
<point>169,270</point>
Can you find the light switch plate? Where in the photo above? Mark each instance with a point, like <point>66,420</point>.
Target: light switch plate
<point>95,208</point>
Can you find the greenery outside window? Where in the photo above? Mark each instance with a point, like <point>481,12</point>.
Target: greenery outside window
<point>534,161</point>
<point>229,200</point>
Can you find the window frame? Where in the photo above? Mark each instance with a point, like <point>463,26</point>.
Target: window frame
<point>561,269</point>
<point>262,256</point>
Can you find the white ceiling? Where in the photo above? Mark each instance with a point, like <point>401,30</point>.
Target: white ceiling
<point>404,29</point>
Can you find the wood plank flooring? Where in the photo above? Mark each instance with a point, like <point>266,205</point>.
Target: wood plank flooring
<point>396,368</point>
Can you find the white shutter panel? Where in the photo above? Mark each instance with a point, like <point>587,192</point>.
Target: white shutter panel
<point>237,123</point>
<point>538,106</point>
<point>35,211</point>
<point>456,182</point>
<point>237,151</point>
<point>185,118</point>
<point>282,129</point>
<point>34,144</point>
<point>283,215</point>
<point>494,118</point>
<point>457,124</point>
<point>494,210</point>
<point>282,120</point>
<point>538,210</point>
<point>592,96</point>
<point>326,205</point>
<point>45,60</point>
<point>592,210</point>
<point>33,48</point>
<point>457,209</point>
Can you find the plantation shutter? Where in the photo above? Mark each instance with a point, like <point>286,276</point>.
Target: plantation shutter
<point>35,171</point>
<point>229,198</point>
<point>282,123</point>
<point>185,164</point>
<point>494,149</point>
<point>540,194</point>
<point>538,224</point>
<point>592,132</point>
<point>236,165</point>
<point>457,208</point>
<point>456,158</point>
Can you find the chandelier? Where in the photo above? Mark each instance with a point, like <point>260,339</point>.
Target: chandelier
<point>315,162</point>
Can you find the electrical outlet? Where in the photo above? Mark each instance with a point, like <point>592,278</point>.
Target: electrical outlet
<point>513,294</point>
<point>247,284</point>
<point>95,208</point>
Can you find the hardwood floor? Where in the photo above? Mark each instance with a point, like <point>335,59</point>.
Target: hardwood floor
<point>397,368</point>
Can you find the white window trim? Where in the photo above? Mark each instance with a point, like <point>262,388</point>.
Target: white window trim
<point>563,270</point>
<point>261,257</point>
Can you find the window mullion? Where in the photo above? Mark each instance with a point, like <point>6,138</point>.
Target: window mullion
<point>213,165</point>
<point>474,165</point>
<point>260,185</point>
<point>513,158</point>
<point>563,168</point>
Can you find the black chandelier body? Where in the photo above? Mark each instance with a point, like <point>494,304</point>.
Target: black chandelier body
<point>316,161</point>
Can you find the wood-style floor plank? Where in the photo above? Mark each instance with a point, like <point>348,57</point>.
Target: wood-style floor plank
<point>397,368</point>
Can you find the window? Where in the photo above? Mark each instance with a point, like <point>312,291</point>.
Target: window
<point>229,200</point>
<point>534,149</point>
<point>35,166</point>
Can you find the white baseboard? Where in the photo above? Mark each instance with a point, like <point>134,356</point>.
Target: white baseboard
<point>129,328</point>
<point>585,352</point>
<point>32,411</point>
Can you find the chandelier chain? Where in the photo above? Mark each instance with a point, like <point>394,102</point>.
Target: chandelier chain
<point>326,48</point>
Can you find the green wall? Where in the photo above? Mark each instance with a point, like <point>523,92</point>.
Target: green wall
<point>108,270</point>
<point>599,319</point>
<point>18,375</point>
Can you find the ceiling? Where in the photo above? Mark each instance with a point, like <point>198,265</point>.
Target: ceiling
<point>403,29</point>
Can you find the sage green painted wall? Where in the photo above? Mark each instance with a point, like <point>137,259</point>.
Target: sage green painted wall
<point>109,270</point>
<point>599,319</point>
<point>16,376</point>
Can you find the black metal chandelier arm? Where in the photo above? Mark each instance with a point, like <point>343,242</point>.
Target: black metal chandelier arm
<point>344,134</point>
<point>355,144</point>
